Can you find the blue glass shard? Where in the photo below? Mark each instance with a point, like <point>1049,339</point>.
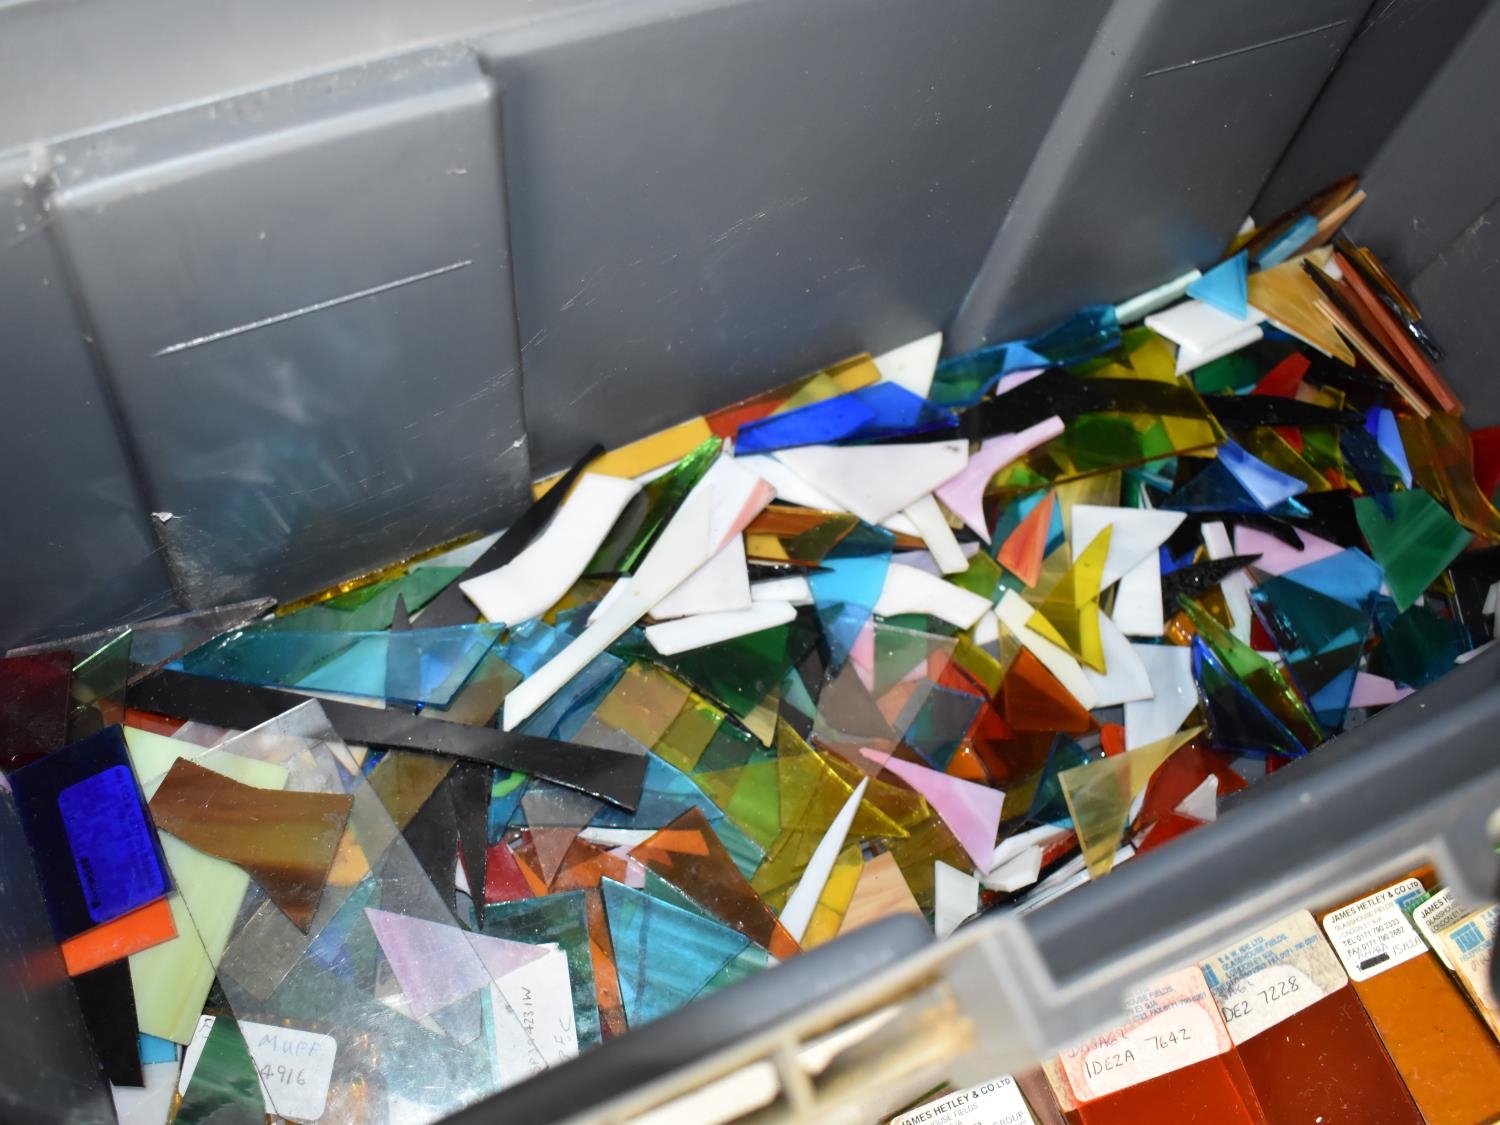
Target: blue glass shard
<point>575,701</point>
<point>873,413</point>
<point>640,929</point>
<point>1214,489</point>
<point>1236,719</point>
<point>1289,243</point>
<point>665,795</point>
<point>1226,287</point>
<point>847,587</point>
<point>1382,423</point>
<point>1362,454</point>
<point>1269,487</point>
<point>1351,576</point>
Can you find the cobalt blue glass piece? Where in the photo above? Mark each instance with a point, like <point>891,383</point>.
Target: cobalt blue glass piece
<point>874,413</point>
<point>1236,719</point>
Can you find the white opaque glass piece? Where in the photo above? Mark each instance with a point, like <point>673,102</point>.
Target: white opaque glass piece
<point>790,487</point>
<point>1138,609</point>
<point>688,633</point>
<point>536,579</point>
<point>1124,679</point>
<point>901,524</point>
<point>1042,836</point>
<point>150,1104</point>
<point>986,630</point>
<point>461,556</point>
<point>930,523</point>
<point>793,589</point>
<point>955,897</point>
<point>799,908</point>
<point>1171,670</point>
<point>1202,333</point>
<point>909,590</point>
<point>721,504</point>
<point>912,365</point>
<point>877,481</point>
<point>1203,802</point>
<point>719,585</point>
<point>1016,873</point>
<point>964,494</point>
<point>1236,587</point>
<point>1014,612</point>
<point>1134,535</point>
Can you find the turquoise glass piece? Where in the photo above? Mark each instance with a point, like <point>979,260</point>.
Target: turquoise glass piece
<point>1226,287</point>
<point>1416,646</point>
<point>418,666</point>
<point>1238,721</point>
<point>874,413</point>
<point>640,928</point>
<point>1351,576</point>
<point>1089,332</point>
<point>1048,805</point>
<point>505,798</point>
<point>847,587</point>
<point>749,961</point>
<point>1289,243</point>
<point>1322,639</point>
<point>665,795</point>
<point>1269,487</point>
<point>559,918</point>
<point>1415,545</point>
<point>575,701</point>
<point>531,645</point>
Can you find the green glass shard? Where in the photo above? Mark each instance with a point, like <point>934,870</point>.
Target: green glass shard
<point>1415,545</point>
<point>645,516</point>
<point>224,1088</point>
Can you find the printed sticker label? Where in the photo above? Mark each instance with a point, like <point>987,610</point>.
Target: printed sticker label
<point>1273,975</point>
<point>113,847</point>
<point>1374,934</point>
<point>996,1102</point>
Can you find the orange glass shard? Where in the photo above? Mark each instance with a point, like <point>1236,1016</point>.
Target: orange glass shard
<point>687,853</point>
<point>284,840</point>
<point>1036,701</point>
<point>1023,551</point>
<point>118,938</point>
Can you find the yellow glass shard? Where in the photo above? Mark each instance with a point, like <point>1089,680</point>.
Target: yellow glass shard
<point>1070,608</point>
<point>663,448</point>
<point>1100,794</point>
<point>833,903</point>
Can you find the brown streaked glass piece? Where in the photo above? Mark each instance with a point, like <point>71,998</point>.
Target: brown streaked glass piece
<point>404,781</point>
<point>286,841</point>
<point>688,855</point>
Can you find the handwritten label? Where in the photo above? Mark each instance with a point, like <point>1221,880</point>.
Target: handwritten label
<point>1436,915</point>
<point>1174,1024</point>
<point>996,1102</point>
<point>1374,934</point>
<point>1273,975</point>
<point>534,1020</point>
<point>111,843</point>
<point>295,1067</point>
<point>1469,945</point>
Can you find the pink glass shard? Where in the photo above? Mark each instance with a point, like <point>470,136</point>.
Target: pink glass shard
<point>971,811</point>
<point>1277,557</point>
<point>964,494</point>
<point>1376,691</point>
<point>433,963</point>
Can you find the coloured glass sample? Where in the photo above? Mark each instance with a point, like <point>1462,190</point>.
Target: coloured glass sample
<point>872,413</point>
<point>34,702</point>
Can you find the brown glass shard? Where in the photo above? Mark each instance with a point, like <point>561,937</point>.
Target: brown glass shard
<point>285,841</point>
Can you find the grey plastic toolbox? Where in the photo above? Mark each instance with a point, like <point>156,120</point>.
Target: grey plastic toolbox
<point>289,291</point>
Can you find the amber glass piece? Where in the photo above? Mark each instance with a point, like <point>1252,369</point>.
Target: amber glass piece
<point>404,780</point>
<point>802,535</point>
<point>880,893</point>
<point>285,841</point>
<point>1441,454</point>
<point>688,855</point>
<point>1071,606</point>
<point>683,742</point>
<point>1290,298</point>
<point>1036,701</point>
<point>652,452</point>
<point>833,903</point>
<point>644,704</point>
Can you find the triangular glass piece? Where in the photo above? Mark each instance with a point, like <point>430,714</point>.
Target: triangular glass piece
<point>971,811</point>
<point>1350,576</point>
<point>1048,805</point>
<point>1170,668</point>
<point>1305,622</point>
<point>964,494</point>
<point>1023,551</point>
<point>1415,545</point>
<point>1099,796</point>
<point>1238,719</point>
<point>224,1087</point>
<point>912,365</point>
<point>877,481</point>
<point>1213,489</point>
<point>1071,606</point>
<point>874,413</point>
<point>1288,298</point>
<point>1134,534</point>
<point>1035,699</point>
<point>1270,487</point>
<point>1226,287</point>
<point>848,584</point>
<point>432,962</point>
<point>641,928</point>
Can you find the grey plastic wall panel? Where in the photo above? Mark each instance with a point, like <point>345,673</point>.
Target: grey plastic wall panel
<point>706,206</point>
<point>1399,48</point>
<point>47,1068</point>
<point>77,549</point>
<point>1176,116</point>
<point>1459,293</point>
<point>1438,170</point>
<point>303,303</point>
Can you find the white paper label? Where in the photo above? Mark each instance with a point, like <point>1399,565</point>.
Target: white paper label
<point>1469,945</point>
<point>534,1026</point>
<point>1374,934</point>
<point>1176,1024</point>
<point>1275,974</point>
<point>295,1067</point>
<point>1436,915</point>
<point>997,1102</point>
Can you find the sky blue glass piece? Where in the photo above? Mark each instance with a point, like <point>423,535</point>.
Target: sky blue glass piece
<point>964,379</point>
<point>666,794</point>
<point>1351,576</point>
<point>506,791</point>
<point>575,701</point>
<point>1270,487</point>
<point>1226,287</point>
<point>874,413</point>
<point>847,587</point>
<point>1214,489</point>
<point>1330,702</point>
<point>532,644</point>
<point>154,1050</point>
<point>417,666</point>
<point>1289,243</point>
<point>559,918</point>
<point>1236,719</point>
<point>1382,423</point>
<point>664,955</point>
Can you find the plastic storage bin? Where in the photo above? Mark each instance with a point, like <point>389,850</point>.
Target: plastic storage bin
<point>291,292</point>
